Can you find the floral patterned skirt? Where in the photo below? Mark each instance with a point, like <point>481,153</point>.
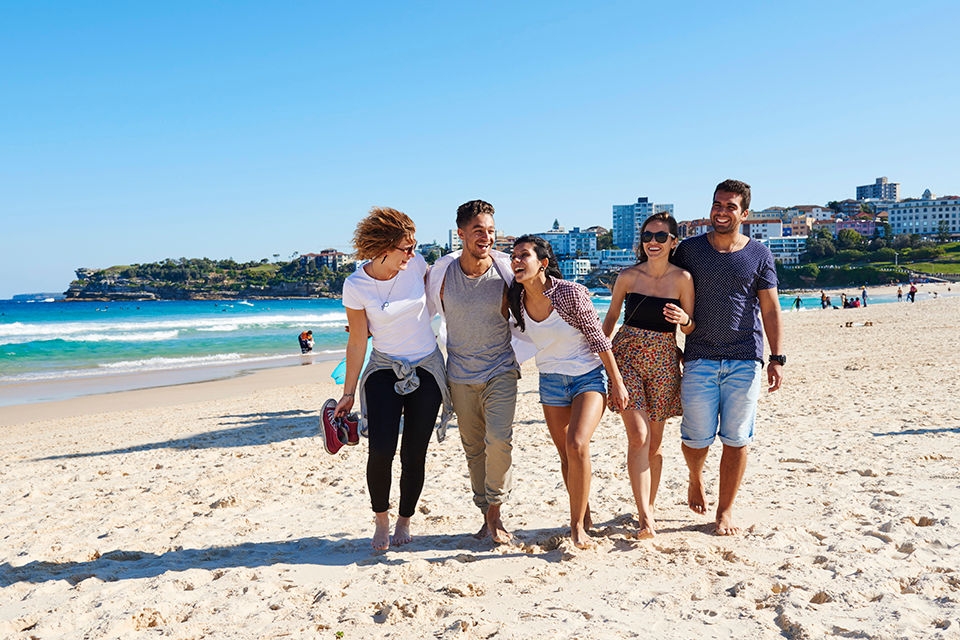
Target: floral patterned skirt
<point>649,362</point>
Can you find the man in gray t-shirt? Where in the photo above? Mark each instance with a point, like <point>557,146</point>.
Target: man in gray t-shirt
<point>481,367</point>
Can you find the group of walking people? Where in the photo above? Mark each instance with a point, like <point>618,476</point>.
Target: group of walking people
<point>497,309</point>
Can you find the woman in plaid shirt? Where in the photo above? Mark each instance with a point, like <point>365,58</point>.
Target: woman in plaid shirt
<point>572,354</point>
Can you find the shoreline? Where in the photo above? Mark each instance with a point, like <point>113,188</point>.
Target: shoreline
<point>171,393</point>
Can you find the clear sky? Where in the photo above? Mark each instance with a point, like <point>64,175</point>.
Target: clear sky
<point>136,131</point>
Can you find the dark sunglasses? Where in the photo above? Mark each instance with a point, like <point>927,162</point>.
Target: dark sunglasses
<point>659,236</point>
<point>408,250</point>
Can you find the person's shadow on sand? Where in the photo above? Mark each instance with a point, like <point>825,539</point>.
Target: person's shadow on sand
<point>254,429</point>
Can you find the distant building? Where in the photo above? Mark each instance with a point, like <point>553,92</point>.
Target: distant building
<point>453,241</point>
<point>865,226</point>
<point>628,218</point>
<point>800,225</point>
<point>616,259</point>
<point>882,189</point>
<point>575,269</point>
<point>329,258</point>
<point>691,228</point>
<point>786,249</point>
<point>761,229</point>
<point>830,226</point>
<point>815,211</point>
<point>924,216</point>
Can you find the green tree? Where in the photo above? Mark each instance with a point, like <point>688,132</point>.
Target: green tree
<point>849,239</point>
<point>943,231</point>
<point>605,241</point>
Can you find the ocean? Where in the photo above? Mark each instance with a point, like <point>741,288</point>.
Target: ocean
<point>55,350</point>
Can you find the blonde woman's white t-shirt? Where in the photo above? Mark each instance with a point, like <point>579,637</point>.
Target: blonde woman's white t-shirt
<point>396,310</point>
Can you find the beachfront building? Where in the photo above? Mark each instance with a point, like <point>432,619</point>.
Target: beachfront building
<point>575,269</point>
<point>453,241</point>
<point>762,229</point>
<point>691,228</point>
<point>881,189</point>
<point>830,226</point>
<point>616,259</point>
<point>864,225</point>
<point>926,216</point>
<point>811,210</point>
<point>800,225</point>
<point>329,258</point>
<point>770,213</point>
<point>628,218</point>
<point>786,249</point>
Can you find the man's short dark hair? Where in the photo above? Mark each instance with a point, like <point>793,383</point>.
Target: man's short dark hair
<point>737,187</point>
<point>470,210</point>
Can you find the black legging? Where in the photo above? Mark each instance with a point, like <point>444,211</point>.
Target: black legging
<point>384,407</point>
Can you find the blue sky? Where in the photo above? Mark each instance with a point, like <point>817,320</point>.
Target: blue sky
<point>134,131</point>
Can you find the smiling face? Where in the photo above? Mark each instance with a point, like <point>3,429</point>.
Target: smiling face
<point>525,263</point>
<point>654,248</point>
<point>400,257</point>
<point>477,235</point>
<point>727,212</point>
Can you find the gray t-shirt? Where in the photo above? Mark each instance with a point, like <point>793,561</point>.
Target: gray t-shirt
<point>478,336</point>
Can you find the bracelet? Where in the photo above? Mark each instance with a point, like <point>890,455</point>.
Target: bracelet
<point>688,322</point>
<point>348,395</point>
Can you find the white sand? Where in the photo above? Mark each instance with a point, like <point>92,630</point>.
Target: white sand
<point>212,511</point>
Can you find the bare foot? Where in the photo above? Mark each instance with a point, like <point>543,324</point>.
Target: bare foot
<point>381,534</point>
<point>725,526</point>
<point>580,538</point>
<point>587,519</point>
<point>495,526</point>
<point>483,533</point>
<point>401,533</point>
<point>696,497</point>
<point>647,530</point>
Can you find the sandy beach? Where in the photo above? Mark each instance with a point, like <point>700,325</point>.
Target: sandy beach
<point>211,510</point>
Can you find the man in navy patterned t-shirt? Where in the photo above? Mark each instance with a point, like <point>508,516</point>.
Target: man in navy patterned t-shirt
<point>736,285</point>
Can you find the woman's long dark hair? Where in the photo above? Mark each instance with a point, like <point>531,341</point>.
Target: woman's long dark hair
<point>544,252</point>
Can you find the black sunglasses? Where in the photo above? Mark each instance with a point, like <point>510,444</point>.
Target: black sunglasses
<point>659,236</point>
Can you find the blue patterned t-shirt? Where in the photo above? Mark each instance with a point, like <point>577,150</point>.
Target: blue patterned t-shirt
<point>726,306</point>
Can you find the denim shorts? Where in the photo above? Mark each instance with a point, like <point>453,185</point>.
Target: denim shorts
<point>558,390</point>
<point>719,398</point>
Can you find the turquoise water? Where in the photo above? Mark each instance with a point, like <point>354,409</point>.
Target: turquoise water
<point>54,343</point>
<point>58,340</point>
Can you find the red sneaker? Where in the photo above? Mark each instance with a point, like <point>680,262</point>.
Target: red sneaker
<point>329,424</point>
<point>351,424</point>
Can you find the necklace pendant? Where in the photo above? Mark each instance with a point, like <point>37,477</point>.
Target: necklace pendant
<point>384,306</point>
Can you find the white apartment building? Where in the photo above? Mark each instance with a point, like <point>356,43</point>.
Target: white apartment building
<point>454,241</point>
<point>575,269</point>
<point>762,229</point>
<point>881,189</point>
<point>924,216</point>
<point>786,249</point>
<point>628,218</point>
<point>616,259</point>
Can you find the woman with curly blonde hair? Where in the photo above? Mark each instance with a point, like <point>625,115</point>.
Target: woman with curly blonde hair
<point>405,376</point>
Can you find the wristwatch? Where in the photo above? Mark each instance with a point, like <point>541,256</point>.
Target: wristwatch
<point>781,360</point>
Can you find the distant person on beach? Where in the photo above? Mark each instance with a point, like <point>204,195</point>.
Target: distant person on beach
<point>797,303</point>
<point>468,288</point>
<point>736,283</point>
<point>824,300</point>
<point>912,293</point>
<point>863,296</point>
<point>306,341</point>
<point>572,354</point>
<point>899,294</point>
<point>844,302</point>
<point>657,297</point>
<point>405,376</point>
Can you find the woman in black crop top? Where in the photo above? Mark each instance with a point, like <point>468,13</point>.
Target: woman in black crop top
<point>656,296</point>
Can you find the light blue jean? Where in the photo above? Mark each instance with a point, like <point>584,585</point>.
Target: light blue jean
<point>719,398</point>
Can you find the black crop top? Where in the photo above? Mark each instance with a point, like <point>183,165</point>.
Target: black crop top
<point>646,312</point>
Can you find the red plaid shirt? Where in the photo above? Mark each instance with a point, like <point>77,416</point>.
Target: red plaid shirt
<point>572,302</point>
